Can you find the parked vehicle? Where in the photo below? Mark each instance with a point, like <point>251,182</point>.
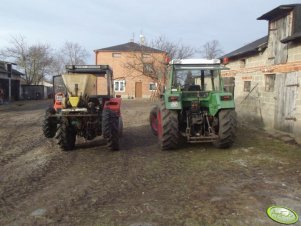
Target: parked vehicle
<point>79,110</point>
<point>194,106</point>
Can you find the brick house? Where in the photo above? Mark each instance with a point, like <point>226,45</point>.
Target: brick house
<point>266,73</point>
<point>135,68</point>
<point>10,81</point>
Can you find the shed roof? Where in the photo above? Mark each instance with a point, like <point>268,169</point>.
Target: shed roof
<point>251,48</point>
<point>278,12</point>
<point>4,71</point>
<point>129,47</point>
<point>294,37</point>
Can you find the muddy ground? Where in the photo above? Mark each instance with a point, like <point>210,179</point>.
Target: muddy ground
<point>140,185</point>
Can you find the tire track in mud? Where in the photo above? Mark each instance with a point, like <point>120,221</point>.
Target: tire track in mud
<point>111,183</point>
<point>9,157</point>
<point>11,150</point>
<point>19,191</point>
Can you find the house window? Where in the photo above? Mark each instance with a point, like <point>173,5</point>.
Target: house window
<point>116,55</point>
<point>146,55</point>
<point>119,86</point>
<point>148,69</point>
<point>152,86</point>
<point>247,86</point>
<point>269,83</point>
<point>242,63</point>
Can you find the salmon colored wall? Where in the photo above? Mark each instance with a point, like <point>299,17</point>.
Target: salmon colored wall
<point>122,72</point>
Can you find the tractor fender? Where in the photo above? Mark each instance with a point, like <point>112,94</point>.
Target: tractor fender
<point>59,100</point>
<point>113,104</point>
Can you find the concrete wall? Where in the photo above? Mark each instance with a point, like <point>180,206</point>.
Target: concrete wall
<point>294,52</point>
<point>261,107</point>
<point>123,72</point>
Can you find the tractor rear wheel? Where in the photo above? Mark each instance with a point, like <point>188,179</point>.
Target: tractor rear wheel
<point>226,128</point>
<point>66,135</point>
<point>49,123</point>
<point>110,129</point>
<point>168,133</point>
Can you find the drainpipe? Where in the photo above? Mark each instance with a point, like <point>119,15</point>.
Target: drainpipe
<point>9,72</point>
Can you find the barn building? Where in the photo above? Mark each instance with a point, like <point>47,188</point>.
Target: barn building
<point>9,81</point>
<point>265,74</point>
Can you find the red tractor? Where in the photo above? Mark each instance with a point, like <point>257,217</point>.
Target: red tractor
<point>84,105</point>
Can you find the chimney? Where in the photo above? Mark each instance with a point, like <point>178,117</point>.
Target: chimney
<point>142,39</point>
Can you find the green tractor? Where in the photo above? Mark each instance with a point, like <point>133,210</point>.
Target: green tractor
<point>194,106</point>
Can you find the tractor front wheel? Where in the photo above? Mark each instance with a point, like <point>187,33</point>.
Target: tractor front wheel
<point>49,123</point>
<point>66,135</point>
<point>111,128</point>
<point>168,133</point>
<point>226,128</point>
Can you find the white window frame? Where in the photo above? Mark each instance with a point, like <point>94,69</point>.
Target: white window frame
<point>152,83</point>
<point>119,82</point>
<point>116,55</point>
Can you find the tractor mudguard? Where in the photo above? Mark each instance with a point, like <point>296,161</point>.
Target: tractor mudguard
<point>113,104</point>
<point>58,100</point>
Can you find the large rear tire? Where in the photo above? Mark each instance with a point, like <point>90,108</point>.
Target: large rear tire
<point>226,128</point>
<point>49,123</point>
<point>110,129</point>
<point>66,135</point>
<point>168,132</point>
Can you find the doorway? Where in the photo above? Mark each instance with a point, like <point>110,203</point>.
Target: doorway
<point>138,89</point>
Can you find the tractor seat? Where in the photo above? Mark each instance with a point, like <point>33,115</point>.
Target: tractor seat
<point>194,88</point>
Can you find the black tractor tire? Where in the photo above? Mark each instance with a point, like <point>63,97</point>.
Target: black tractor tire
<point>226,128</point>
<point>49,123</point>
<point>153,120</point>
<point>120,125</point>
<point>66,135</point>
<point>169,135</point>
<point>110,129</point>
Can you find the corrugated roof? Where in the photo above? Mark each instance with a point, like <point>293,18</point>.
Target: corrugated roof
<point>3,70</point>
<point>278,12</point>
<point>129,47</point>
<point>250,48</point>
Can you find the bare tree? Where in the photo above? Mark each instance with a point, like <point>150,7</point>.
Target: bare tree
<point>144,62</point>
<point>34,60</point>
<point>69,54</point>
<point>175,50</point>
<point>74,53</point>
<point>151,63</point>
<point>211,50</point>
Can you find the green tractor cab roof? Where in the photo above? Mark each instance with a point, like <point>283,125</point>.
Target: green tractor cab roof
<point>214,64</point>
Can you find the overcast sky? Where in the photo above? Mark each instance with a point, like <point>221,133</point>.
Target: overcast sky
<point>96,24</point>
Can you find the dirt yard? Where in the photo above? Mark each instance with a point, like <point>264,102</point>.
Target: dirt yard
<point>140,185</point>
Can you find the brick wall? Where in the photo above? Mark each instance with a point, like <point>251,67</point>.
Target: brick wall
<point>122,72</point>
